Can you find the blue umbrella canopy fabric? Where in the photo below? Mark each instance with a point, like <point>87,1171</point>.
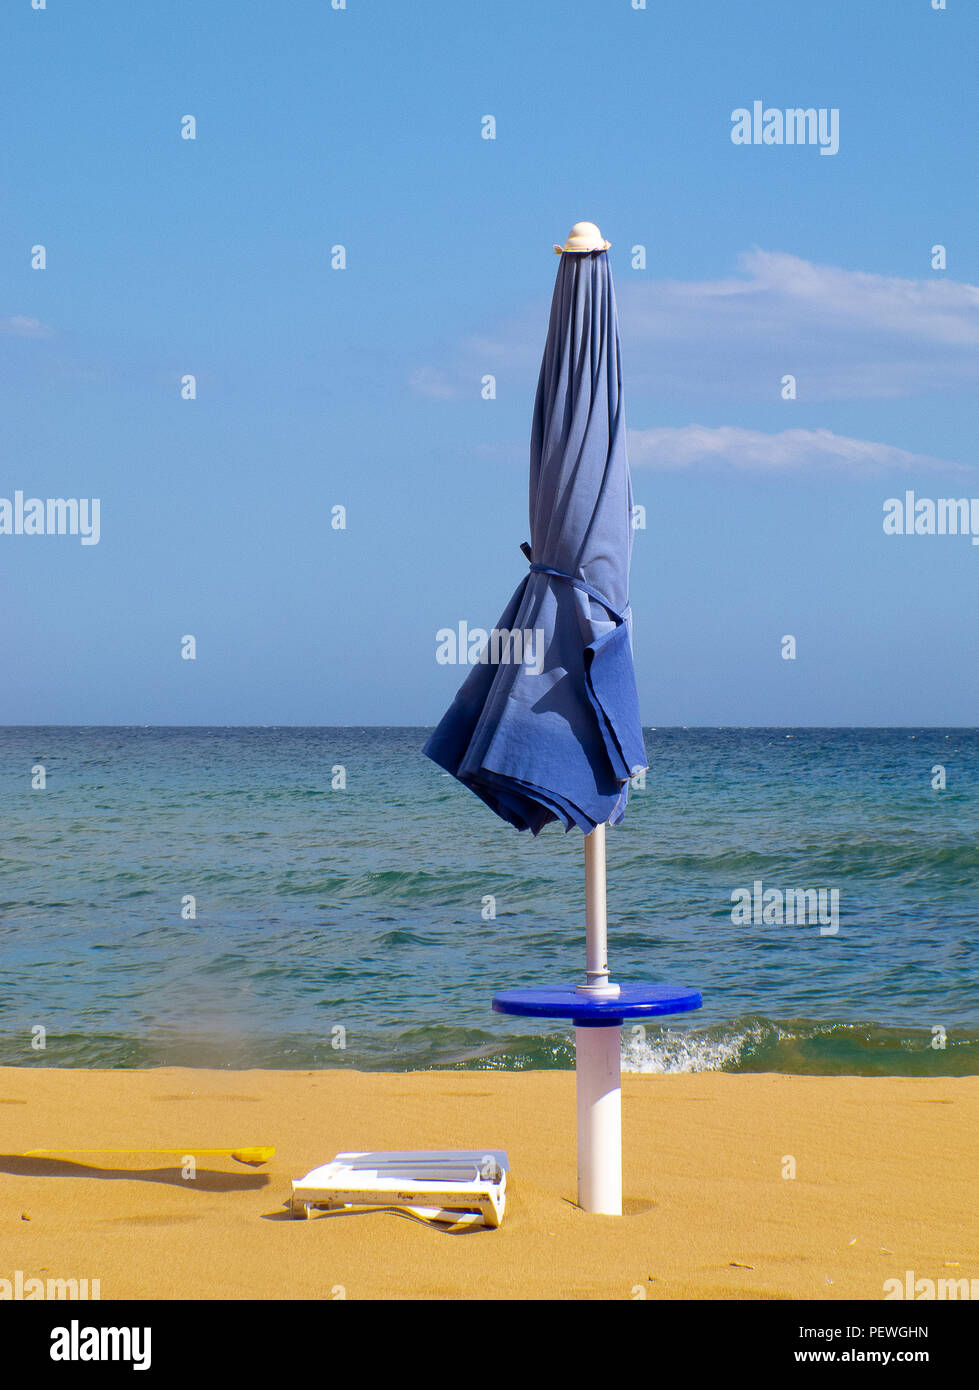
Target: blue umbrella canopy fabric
<point>546,726</point>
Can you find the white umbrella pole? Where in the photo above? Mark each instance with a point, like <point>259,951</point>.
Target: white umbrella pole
<point>596,912</point>
<point>599,1064</point>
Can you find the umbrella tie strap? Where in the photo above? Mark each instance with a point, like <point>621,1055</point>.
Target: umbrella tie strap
<point>579,584</point>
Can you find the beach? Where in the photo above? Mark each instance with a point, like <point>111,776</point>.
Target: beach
<point>884,1183</point>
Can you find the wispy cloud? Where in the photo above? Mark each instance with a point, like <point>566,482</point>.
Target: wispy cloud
<point>788,451</point>
<point>936,309</point>
<point>844,334</point>
<point>22,327</point>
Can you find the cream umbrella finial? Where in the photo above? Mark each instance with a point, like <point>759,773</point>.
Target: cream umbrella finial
<point>584,236</point>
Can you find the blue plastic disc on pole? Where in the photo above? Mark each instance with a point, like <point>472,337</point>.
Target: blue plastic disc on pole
<point>587,1011</point>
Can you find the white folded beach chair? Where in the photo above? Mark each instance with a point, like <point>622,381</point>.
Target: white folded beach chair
<point>460,1186</point>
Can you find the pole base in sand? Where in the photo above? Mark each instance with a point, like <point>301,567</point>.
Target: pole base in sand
<point>599,1097</point>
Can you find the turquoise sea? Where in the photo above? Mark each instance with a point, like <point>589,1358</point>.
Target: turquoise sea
<point>345,891</point>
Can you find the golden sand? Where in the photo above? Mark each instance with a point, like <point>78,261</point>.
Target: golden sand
<point>885,1181</point>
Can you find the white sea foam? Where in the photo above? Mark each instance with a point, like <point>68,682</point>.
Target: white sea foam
<point>667,1051</point>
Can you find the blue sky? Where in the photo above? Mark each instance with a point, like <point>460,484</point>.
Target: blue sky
<point>361,387</point>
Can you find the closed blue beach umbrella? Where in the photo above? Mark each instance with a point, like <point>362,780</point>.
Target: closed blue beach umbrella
<point>546,726</point>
